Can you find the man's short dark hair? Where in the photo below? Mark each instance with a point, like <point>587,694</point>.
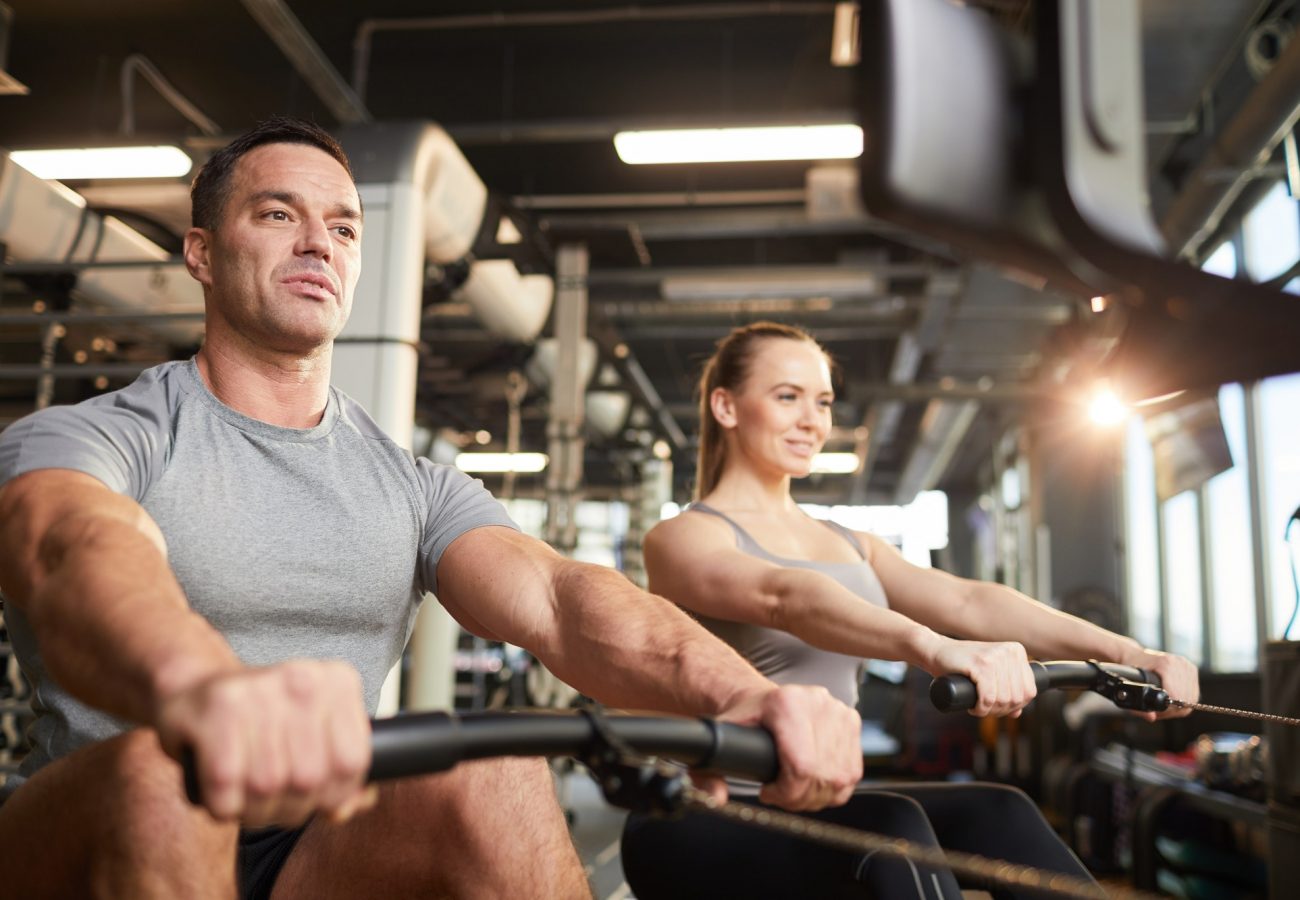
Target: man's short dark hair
<point>211,187</point>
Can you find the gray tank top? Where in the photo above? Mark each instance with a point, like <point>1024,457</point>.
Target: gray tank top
<point>780,655</point>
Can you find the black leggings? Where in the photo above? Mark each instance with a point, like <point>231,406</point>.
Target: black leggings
<point>707,857</point>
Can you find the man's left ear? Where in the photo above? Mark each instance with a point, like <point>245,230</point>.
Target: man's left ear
<point>196,255</point>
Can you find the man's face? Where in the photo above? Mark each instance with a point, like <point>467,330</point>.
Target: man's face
<point>283,261</point>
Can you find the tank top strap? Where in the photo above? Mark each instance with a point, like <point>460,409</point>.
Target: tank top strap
<point>848,535</point>
<point>743,538</point>
<point>747,542</point>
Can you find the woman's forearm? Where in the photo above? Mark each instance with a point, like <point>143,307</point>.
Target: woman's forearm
<point>825,614</point>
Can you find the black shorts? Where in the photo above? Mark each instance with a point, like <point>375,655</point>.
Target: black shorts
<point>262,854</point>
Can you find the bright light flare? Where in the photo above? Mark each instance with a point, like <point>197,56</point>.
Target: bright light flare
<point>835,463</point>
<point>501,462</point>
<point>1106,408</point>
<point>700,145</point>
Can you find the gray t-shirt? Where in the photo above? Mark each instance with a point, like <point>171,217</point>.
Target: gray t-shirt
<point>316,542</point>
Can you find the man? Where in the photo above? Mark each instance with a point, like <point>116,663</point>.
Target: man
<point>228,553</point>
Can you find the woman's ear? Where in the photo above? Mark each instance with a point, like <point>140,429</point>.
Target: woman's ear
<point>723,407</point>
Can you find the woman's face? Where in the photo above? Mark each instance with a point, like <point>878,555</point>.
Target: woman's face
<point>781,414</point>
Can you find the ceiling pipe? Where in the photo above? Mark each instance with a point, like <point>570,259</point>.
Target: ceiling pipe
<point>361,43</point>
<point>1268,115</point>
<point>138,62</point>
<point>283,27</point>
<point>943,428</point>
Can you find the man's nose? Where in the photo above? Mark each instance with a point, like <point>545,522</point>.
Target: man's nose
<point>314,240</point>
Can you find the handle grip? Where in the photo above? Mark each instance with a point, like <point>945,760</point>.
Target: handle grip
<point>951,693</point>
<point>423,743</point>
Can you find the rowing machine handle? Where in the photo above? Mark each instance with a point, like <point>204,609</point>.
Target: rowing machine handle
<point>952,693</point>
<point>1127,687</point>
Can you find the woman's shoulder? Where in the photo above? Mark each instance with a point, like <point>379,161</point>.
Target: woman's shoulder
<point>689,527</point>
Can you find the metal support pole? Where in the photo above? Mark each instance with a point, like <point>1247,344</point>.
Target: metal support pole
<point>1261,549</point>
<point>647,502</point>
<point>50,336</point>
<point>1209,644</point>
<point>564,431</point>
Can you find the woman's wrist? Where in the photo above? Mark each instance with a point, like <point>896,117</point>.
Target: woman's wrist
<point>1134,654</point>
<point>922,646</point>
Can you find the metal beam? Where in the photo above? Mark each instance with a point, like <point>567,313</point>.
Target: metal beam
<point>1269,113</point>
<point>663,199</point>
<point>716,224</point>
<point>607,336</point>
<point>653,276</point>
<point>283,27</point>
<point>635,14</point>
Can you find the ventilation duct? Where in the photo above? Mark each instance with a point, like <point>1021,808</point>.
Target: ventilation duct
<point>509,306</point>
<point>47,222</point>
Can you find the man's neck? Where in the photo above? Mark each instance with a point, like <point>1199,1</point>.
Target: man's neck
<point>279,389</point>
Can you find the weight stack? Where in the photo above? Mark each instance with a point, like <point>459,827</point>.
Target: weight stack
<point>1281,683</point>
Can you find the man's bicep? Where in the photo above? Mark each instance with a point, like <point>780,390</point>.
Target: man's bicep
<point>498,583</point>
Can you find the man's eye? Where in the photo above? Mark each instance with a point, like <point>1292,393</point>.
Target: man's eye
<point>277,214</point>
<point>347,232</point>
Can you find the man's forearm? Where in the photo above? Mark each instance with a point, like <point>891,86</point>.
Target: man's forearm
<point>630,649</point>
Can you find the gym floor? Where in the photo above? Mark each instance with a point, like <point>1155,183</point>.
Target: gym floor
<point>596,827</point>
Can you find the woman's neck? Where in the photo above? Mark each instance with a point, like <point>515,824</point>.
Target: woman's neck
<point>740,489</point>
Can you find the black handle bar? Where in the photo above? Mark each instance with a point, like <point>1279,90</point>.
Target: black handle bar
<point>423,743</point>
<point>950,693</point>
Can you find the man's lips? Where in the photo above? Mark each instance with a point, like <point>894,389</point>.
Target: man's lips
<point>312,285</point>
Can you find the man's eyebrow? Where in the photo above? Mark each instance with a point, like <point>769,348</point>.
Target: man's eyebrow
<point>293,198</point>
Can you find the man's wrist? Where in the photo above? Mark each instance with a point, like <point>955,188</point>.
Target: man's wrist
<point>188,668</point>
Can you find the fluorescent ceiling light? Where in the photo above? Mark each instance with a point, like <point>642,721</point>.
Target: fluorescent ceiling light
<point>72,164</point>
<point>694,145</point>
<point>501,462</point>
<point>835,463</point>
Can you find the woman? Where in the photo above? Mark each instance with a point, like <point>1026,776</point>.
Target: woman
<point>805,601</point>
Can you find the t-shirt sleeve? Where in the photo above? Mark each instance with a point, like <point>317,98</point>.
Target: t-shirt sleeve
<point>120,444</point>
<point>455,504</point>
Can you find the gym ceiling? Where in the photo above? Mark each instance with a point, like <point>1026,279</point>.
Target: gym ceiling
<point>533,93</point>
